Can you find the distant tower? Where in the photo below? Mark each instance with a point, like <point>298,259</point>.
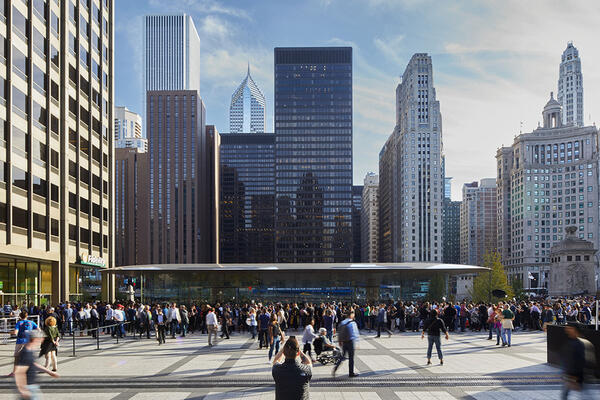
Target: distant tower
<point>247,109</point>
<point>570,87</point>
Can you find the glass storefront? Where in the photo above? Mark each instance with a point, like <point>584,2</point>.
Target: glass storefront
<point>25,281</point>
<point>85,283</point>
<point>281,285</point>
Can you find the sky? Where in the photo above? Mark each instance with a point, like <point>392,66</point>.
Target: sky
<point>494,62</point>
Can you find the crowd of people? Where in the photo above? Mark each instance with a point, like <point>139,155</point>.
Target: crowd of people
<point>327,331</point>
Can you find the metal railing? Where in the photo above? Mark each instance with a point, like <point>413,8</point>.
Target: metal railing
<point>7,326</point>
<point>98,330</point>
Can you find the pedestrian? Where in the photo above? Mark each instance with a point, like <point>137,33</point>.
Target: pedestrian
<point>507,325</point>
<point>307,338</point>
<point>382,319</point>
<point>291,377</point>
<point>185,320</point>
<point>21,328</point>
<point>263,326</point>
<point>276,335</point>
<point>160,322</point>
<point>173,319</point>
<point>578,360</point>
<point>225,322</point>
<point>50,343</point>
<point>348,336</point>
<point>328,323</point>
<point>145,322</point>
<point>27,369</point>
<point>211,325</point>
<point>252,322</point>
<point>497,318</point>
<point>433,326</point>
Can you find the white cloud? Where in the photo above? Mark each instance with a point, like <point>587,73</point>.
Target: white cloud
<point>391,47</point>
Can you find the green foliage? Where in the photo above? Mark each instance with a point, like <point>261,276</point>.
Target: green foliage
<point>485,282</point>
<point>437,288</point>
<point>517,287</point>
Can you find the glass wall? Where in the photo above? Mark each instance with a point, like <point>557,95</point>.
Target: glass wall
<point>25,281</point>
<point>85,283</point>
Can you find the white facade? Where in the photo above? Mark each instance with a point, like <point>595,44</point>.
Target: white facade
<point>172,53</point>
<point>128,130</point>
<point>420,153</point>
<point>369,218</point>
<point>247,110</point>
<point>570,87</point>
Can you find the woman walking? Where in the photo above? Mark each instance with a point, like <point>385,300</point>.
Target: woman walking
<point>498,325</point>
<point>159,322</point>
<point>433,326</point>
<point>276,336</point>
<point>50,343</point>
<point>252,322</point>
<point>308,336</point>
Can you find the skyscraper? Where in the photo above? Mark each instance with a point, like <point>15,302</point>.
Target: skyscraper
<point>128,130</point>
<point>56,161</point>
<point>247,199</point>
<point>547,180</point>
<point>313,152</point>
<point>411,186</point>
<point>478,221</point>
<point>451,231</point>
<point>172,53</point>
<point>570,86</point>
<point>247,110</point>
<point>369,220</point>
<point>356,222</point>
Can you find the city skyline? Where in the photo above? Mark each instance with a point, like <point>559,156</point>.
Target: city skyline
<point>502,66</point>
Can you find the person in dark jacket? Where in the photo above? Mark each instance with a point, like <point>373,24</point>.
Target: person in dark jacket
<point>433,326</point>
<point>575,362</point>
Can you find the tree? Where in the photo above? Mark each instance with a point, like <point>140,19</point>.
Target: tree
<point>437,288</point>
<point>485,282</point>
<point>517,287</point>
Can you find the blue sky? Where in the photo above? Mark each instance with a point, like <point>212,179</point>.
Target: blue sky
<point>495,62</point>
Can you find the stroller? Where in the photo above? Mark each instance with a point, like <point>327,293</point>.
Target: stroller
<point>325,356</point>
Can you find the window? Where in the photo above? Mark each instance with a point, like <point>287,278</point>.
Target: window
<point>96,209</point>
<point>72,43</point>
<point>73,169</point>
<point>54,124</point>
<point>54,56</point>
<point>20,62</point>
<point>84,56</point>
<point>72,232</point>
<point>54,90</point>
<point>84,205</point>
<point>54,158</point>
<point>20,178</point>
<point>20,140</point>
<point>72,200</point>
<point>54,227</point>
<point>84,26</point>
<point>84,235</point>
<point>20,100</point>
<point>73,74</point>
<point>20,23</point>
<point>73,106</point>
<point>20,218</point>
<point>39,114</point>
<point>55,22</point>
<point>40,43</point>
<point>40,151</point>
<point>72,11</point>
<point>40,79</point>
<point>40,186</point>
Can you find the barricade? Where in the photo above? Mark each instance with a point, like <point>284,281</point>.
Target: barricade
<point>7,326</point>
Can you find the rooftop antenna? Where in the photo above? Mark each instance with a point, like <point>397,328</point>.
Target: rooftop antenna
<point>520,127</point>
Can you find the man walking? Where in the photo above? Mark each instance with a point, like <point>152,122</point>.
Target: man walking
<point>27,368</point>
<point>382,321</point>
<point>347,336</point>
<point>211,325</point>
<point>174,319</point>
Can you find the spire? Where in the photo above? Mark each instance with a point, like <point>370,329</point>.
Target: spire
<point>248,67</point>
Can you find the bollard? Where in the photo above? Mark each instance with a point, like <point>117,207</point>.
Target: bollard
<point>98,335</point>
<point>73,334</point>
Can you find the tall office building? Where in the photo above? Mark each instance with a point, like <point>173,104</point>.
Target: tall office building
<point>56,163</point>
<point>128,130</point>
<point>451,231</point>
<point>313,154</point>
<point>570,86</point>
<point>411,175</point>
<point>369,219</point>
<point>247,198</point>
<point>181,179</point>
<point>131,206</point>
<point>547,180</point>
<point>478,216</point>
<point>356,223</point>
<point>247,111</point>
<point>172,53</point>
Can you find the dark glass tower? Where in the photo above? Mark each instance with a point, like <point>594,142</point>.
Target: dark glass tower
<point>313,151</point>
<point>247,203</point>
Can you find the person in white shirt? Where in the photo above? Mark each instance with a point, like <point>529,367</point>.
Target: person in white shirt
<point>119,318</point>
<point>108,318</point>
<point>307,338</point>
<point>211,325</point>
<point>173,318</point>
<point>491,312</point>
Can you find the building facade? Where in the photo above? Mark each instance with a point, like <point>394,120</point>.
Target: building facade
<point>313,153</point>
<point>570,86</point>
<point>131,206</point>
<point>356,222</point>
<point>369,219</point>
<point>412,184</point>
<point>478,221</point>
<point>547,180</point>
<point>247,198</point>
<point>56,193</point>
<point>128,130</point>
<point>181,179</point>
<point>247,111</point>
<point>451,228</point>
<point>172,51</point>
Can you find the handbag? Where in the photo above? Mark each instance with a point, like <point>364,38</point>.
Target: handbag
<point>507,324</point>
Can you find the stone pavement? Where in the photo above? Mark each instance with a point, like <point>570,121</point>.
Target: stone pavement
<point>390,368</point>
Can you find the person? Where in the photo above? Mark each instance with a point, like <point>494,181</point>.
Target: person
<point>145,322</point>
<point>251,321</point>
<point>185,320</point>
<point>67,319</point>
<point>159,323</point>
<point>276,335</point>
<point>211,325</point>
<point>174,319</point>
<point>347,337</point>
<point>94,320</point>
<point>50,343</point>
<point>497,318</point>
<point>119,319</point>
<point>307,338</point>
<point>507,325</point>
<point>433,326</point>
<point>578,357</point>
<point>27,369</point>
<point>328,324</point>
<point>291,377</point>
<point>22,327</point>
<point>225,322</point>
<point>263,326</point>
<point>382,321</point>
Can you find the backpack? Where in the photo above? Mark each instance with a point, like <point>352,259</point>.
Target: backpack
<point>276,330</point>
<point>23,328</point>
<point>344,334</point>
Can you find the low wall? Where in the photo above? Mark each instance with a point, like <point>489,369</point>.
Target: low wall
<point>557,338</point>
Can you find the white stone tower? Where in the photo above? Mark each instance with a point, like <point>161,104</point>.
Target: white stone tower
<point>570,87</point>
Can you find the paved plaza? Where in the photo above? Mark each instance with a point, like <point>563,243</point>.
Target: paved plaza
<point>390,368</point>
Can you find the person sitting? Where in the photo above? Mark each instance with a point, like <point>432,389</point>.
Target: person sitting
<point>326,351</point>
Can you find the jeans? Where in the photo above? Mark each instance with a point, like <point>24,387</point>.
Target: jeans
<point>184,328</point>
<point>262,338</point>
<point>274,345</point>
<point>160,333</point>
<point>431,340</point>
<point>330,335</point>
<point>506,335</point>
<point>34,391</point>
<point>347,347</point>
<point>498,335</point>
<point>253,331</point>
<point>173,328</point>
<point>584,392</point>
<point>463,323</point>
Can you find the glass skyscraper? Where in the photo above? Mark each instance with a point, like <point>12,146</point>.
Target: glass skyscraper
<point>313,151</point>
<point>247,108</point>
<point>247,199</point>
